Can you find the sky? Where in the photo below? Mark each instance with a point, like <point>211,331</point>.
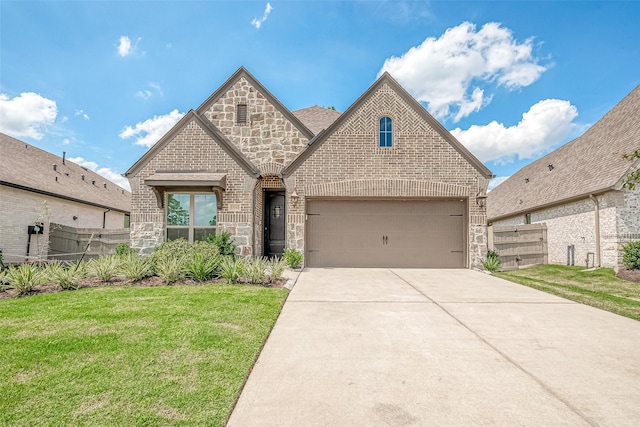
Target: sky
<point>512,80</point>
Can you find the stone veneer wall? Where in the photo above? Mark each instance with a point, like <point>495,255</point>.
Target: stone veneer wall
<point>421,163</point>
<point>267,139</point>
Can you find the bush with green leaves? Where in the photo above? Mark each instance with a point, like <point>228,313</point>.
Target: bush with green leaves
<point>201,267</point>
<point>24,277</point>
<point>104,268</point>
<point>275,268</point>
<point>66,276</point>
<point>123,249</point>
<point>231,269</point>
<point>4,281</point>
<point>170,269</point>
<point>180,248</point>
<point>224,243</point>
<point>255,270</point>
<point>492,262</point>
<point>631,255</point>
<point>134,267</point>
<point>292,257</point>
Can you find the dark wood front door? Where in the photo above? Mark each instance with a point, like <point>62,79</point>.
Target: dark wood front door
<point>274,223</point>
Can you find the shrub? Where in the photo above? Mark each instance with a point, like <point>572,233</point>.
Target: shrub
<point>631,255</point>
<point>492,262</point>
<point>134,267</point>
<point>4,281</point>
<point>255,270</point>
<point>276,268</point>
<point>123,249</point>
<point>170,269</point>
<point>24,277</point>
<point>224,243</point>
<point>201,267</point>
<point>180,248</point>
<point>231,269</point>
<point>292,257</point>
<point>104,268</point>
<point>65,276</point>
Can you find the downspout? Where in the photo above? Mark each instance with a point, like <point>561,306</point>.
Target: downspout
<point>104,218</point>
<point>597,220</point>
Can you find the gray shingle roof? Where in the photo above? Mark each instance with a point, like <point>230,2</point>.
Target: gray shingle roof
<point>591,163</point>
<point>316,118</point>
<point>24,166</point>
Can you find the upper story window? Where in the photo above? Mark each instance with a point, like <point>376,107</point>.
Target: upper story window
<point>386,134</point>
<point>241,114</point>
<point>527,218</point>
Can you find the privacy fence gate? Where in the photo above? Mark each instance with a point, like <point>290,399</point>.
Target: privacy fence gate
<point>521,245</point>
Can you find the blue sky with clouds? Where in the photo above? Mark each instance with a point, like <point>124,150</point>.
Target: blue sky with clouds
<point>103,80</point>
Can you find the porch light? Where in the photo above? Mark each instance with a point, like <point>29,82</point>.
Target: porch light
<point>294,197</point>
<point>481,199</point>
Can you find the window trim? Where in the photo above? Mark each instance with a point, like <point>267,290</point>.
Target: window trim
<point>387,132</point>
<point>191,227</point>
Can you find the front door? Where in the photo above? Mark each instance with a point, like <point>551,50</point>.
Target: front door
<point>274,223</point>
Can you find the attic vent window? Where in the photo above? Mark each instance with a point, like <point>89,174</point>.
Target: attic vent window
<point>241,114</point>
<point>55,167</point>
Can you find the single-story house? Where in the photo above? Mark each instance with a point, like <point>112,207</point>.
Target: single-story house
<point>577,191</point>
<point>381,184</point>
<point>38,188</point>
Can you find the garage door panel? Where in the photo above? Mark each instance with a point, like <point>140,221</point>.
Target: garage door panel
<point>385,233</point>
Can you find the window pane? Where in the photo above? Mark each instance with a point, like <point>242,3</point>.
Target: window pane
<point>177,233</point>
<point>178,209</point>
<point>204,210</point>
<point>202,233</point>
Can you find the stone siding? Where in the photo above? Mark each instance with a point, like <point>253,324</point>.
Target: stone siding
<point>267,139</point>
<point>20,209</point>
<point>421,163</point>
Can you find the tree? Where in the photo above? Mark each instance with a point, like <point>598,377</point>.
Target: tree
<point>633,178</point>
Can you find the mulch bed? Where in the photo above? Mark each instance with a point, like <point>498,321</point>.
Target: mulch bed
<point>630,275</point>
<point>48,288</point>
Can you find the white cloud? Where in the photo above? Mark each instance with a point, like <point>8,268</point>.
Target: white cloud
<point>108,173</point>
<point>28,114</point>
<point>258,22</point>
<point>445,72</point>
<point>82,114</point>
<point>151,130</point>
<point>543,127</point>
<point>146,93</point>
<point>66,141</point>
<point>496,181</point>
<point>124,46</point>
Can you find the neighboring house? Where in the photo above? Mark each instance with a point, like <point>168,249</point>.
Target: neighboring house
<point>577,191</point>
<point>40,187</point>
<point>382,184</point>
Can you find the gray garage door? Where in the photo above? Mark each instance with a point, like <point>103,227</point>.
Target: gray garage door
<point>385,233</point>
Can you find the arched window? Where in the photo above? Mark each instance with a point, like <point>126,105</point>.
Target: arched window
<point>386,136</point>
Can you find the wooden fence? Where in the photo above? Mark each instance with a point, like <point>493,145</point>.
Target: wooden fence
<point>68,243</point>
<point>521,245</point>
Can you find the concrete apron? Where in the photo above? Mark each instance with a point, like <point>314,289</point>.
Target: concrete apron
<point>379,347</point>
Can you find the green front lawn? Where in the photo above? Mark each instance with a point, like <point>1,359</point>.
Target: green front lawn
<point>598,288</point>
<point>127,356</point>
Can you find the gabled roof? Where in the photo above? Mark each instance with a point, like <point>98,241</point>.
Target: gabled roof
<point>240,73</point>
<point>29,168</point>
<point>317,118</point>
<point>590,164</point>
<point>211,130</point>
<point>411,101</point>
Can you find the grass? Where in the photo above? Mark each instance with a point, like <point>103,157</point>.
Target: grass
<point>598,288</point>
<point>131,356</point>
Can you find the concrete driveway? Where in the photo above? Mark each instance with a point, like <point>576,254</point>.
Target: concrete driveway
<point>379,347</point>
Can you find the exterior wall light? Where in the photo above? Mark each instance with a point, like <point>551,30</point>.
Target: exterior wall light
<point>481,199</point>
<point>294,197</point>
